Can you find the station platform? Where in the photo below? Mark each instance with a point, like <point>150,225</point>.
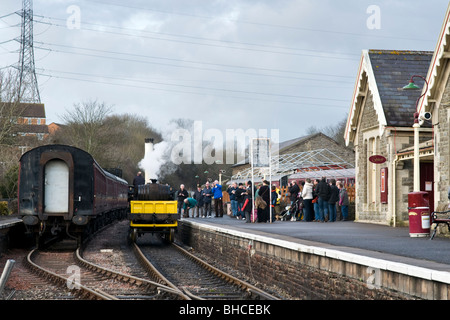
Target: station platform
<point>360,239</point>
<point>9,221</point>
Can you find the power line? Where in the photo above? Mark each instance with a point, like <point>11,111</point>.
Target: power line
<point>7,15</point>
<point>332,31</point>
<point>140,86</point>
<point>185,36</point>
<point>193,87</point>
<point>324,55</point>
<point>193,62</point>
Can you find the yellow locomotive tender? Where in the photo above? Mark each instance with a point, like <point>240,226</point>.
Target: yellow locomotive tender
<point>153,211</point>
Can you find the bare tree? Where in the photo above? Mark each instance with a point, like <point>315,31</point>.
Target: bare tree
<point>9,105</point>
<point>85,126</point>
<point>335,131</point>
<point>115,141</point>
<point>125,146</point>
<point>10,111</point>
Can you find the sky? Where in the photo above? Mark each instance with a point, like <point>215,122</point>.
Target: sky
<point>283,65</point>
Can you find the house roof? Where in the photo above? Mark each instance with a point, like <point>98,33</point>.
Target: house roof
<point>386,72</point>
<point>27,110</point>
<point>292,142</point>
<point>393,70</point>
<point>31,128</point>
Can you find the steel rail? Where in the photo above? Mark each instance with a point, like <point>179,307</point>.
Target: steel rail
<point>124,277</point>
<point>252,290</point>
<point>152,270</point>
<point>240,283</point>
<point>84,291</point>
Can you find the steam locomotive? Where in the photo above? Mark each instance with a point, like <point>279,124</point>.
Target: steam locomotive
<point>153,210</point>
<point>63,189</point>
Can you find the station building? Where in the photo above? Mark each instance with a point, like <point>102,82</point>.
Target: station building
<point>401,126</point>
<point>379,126</point>
<point>436,101</point>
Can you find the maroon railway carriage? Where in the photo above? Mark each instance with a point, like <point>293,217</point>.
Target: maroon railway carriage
<point>62,188</point>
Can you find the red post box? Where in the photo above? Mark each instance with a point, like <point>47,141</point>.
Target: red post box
<point>419,214</point>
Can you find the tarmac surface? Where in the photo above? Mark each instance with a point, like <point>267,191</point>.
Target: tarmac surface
<point>372,240</point>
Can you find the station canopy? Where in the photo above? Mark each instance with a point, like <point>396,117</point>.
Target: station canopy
<point>312,164</point>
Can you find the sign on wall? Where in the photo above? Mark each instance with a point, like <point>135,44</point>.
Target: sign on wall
<point>377,159</point>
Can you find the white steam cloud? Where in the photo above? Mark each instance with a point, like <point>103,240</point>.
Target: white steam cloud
<point>153,160</point>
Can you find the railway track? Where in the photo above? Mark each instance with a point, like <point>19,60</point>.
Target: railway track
<point>109,269</point>
<point>180,270</point>
<point>91,281</point>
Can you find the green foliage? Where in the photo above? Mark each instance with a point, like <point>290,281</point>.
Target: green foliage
<point>8,185</point>
<point>4,211</point>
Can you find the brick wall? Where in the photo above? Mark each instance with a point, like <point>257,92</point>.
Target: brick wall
<point>442,157</point>
<point>304,275</point>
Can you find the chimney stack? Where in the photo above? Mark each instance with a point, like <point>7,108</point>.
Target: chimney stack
<point>148,149</point>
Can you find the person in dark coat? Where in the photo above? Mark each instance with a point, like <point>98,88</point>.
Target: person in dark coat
<point>262,208</point>
<point>334,197</point>
<point>198,195</point>
<point>248,202</point>
<point>137,181</point>
<point>233,199</point>
<point>240,197</point>
<point>293,190</point>
<point>207,199</point>
<point>323,191</point>
<point>181,195</point>
<point>264,192</point>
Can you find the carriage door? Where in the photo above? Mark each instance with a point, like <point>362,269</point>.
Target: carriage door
<point>56,189</point>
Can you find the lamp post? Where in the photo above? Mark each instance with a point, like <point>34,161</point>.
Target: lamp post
<point>416,126</point>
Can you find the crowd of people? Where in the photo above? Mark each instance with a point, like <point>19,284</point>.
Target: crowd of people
<point>318,200</point>
<point>200,204</point>
<point>201,201</point>
<point>310,201</point>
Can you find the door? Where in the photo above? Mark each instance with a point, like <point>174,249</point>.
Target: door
<point>56,187</point>
<point>427,181</point>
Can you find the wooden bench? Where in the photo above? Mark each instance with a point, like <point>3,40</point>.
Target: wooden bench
<point>438,217</point>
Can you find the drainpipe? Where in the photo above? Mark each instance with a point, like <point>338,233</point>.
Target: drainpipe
<point>416,127</point>
<point>393,151</point>
<point>394,191</point>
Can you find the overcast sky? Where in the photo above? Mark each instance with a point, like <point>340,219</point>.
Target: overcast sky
<point>274,64</point>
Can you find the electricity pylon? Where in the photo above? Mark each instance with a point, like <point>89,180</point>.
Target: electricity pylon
<point>28,86</point>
